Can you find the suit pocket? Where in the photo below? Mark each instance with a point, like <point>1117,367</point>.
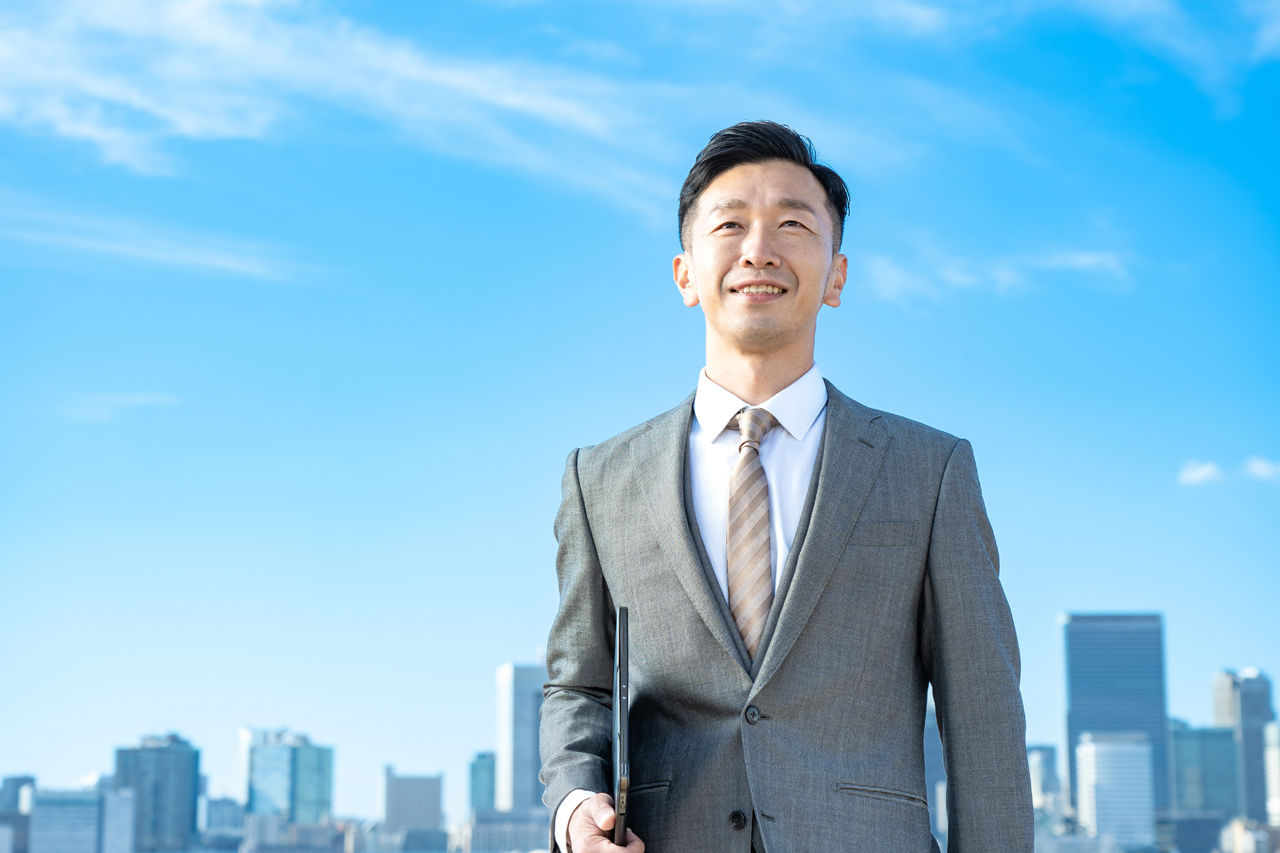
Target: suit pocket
<point>649,788</point>
<point>882,794</point>
<point>886,534</point>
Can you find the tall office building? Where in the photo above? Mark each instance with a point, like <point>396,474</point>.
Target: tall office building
<point>286,776</point>
<point>224,818</point>
<point>1115,683</point>
<point>1243,703</point>
<point>11,793</point>
<point>87,821</point>
<point>1043,763</point>
<point>1204,770</point>
<point>164,775</point>
<point>517,787</point>
<point>935,775</point>
<point>65,821</point>
<point>412,802</point>
<point>117,822</point>
<point>1271,757</point>
<point>481,774</point>
<point>1115,790</point>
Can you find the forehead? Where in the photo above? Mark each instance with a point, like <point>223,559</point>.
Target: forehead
<point>771,184</point>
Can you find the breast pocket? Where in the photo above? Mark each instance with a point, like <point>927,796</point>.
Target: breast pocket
<point>886,534</point>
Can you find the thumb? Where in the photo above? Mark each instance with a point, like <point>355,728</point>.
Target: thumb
<point>604,816</point>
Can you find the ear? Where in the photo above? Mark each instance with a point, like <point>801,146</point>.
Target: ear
<point>682,272</point>
<point>835,284</point>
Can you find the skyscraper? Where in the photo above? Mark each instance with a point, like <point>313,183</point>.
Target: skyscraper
<point>1115,683</point>
<point>481,772</point>
<point>1115,788</point>
<point>412,802</point>
<point>1271,757</point>
<point>517,787</point>
<point>1204,770</point>
<point>1243,703</point>
<point>11,792</point>
<point>1043,761</point>
<point>65,821</point>
<point>164,775</point>
<point>286,776</point>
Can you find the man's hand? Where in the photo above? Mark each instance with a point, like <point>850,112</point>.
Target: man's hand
<point>591,828</point>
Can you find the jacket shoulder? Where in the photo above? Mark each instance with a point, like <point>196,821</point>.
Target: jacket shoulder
<point>605,456</point>
<point>908,435</point>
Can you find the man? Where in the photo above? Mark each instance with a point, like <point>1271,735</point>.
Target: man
<point>799,569</point>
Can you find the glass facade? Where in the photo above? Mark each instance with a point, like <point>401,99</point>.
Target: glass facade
<point>482,781</point>
<point>164,775</point>
<point>1204,770</point>
<point>287,776</point>
<point>1116,683</point>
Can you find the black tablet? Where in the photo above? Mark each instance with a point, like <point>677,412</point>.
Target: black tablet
<point>621,759</point>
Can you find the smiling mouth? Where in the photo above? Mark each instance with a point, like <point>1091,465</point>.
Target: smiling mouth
<point>758,288</point>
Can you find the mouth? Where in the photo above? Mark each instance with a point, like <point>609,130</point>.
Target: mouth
<point>758,287</point>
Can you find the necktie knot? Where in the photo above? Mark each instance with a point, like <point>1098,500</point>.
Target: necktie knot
<point>752,425</point>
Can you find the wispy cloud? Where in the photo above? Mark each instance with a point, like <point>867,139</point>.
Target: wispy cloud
<point>37,224</point>
<point>127,76</point>
<point>1262,469</point>
<point>933,274</point>
<point>108,406</point>
<point>1197,473</point>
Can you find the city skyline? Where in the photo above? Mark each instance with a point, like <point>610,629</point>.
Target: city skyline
<point>269,323</point>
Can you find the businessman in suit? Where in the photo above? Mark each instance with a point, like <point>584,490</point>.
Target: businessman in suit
<point>799,568</point>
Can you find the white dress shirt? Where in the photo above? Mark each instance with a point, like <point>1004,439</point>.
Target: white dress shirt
<point>787,454</point>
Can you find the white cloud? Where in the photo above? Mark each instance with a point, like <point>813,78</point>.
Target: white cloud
<point>108,406</point>
<point>1262,469</point>
<point>1197,473</point>
<point>932,273</point>
<point>32,223</point>
<point>127,76</point>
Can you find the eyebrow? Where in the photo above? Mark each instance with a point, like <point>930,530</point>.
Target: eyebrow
<point>784,203</point>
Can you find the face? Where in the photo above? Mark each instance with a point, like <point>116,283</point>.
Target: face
<point>760,259</point>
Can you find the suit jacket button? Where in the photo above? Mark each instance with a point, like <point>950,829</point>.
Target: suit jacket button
<point>753,714</point>
<point>738,820</point>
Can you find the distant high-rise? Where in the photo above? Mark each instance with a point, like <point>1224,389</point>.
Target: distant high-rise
<point>412,802</point>
<point>482,771</point>
<point>164,775</point>
<point>224,817</point>
<point>65,821</point>
<point>1116,795</point>
<point>11,792</point>
<point>517,787</point>
<point>1115,683</point>
<point>1243,703</point>
<point>1043,762</point>
<point>935,775</point>
<point>87,821</point>
<point>1271,757</point>
<point>1204,770</point>
<point>286,776</point>
<point>117,826</point>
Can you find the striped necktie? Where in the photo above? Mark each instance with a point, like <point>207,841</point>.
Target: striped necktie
<point>750,577</point>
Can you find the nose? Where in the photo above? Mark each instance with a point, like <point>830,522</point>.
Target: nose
<point>758,249</point>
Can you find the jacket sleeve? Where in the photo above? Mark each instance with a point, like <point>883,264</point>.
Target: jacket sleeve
<point>971,653</point>
<point>577,718</point>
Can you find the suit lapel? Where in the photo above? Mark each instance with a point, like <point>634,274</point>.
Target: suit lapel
<point>659,457</point>
<point>853,448</point>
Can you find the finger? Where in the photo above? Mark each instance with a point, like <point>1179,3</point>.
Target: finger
<point>604,816</point>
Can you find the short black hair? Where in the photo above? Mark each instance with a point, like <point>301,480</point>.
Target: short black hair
<point>755,142</point>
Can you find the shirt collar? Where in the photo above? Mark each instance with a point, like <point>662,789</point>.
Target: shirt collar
<point>796,407</point>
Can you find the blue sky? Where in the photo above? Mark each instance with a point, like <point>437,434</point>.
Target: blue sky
<point>302,305</point>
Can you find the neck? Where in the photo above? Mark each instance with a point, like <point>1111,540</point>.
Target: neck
<point>755,377</point>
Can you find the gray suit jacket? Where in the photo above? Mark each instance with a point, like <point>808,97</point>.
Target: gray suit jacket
<point>891,585</point>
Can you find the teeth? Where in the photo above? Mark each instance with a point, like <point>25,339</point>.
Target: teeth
<point>760,288</point>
